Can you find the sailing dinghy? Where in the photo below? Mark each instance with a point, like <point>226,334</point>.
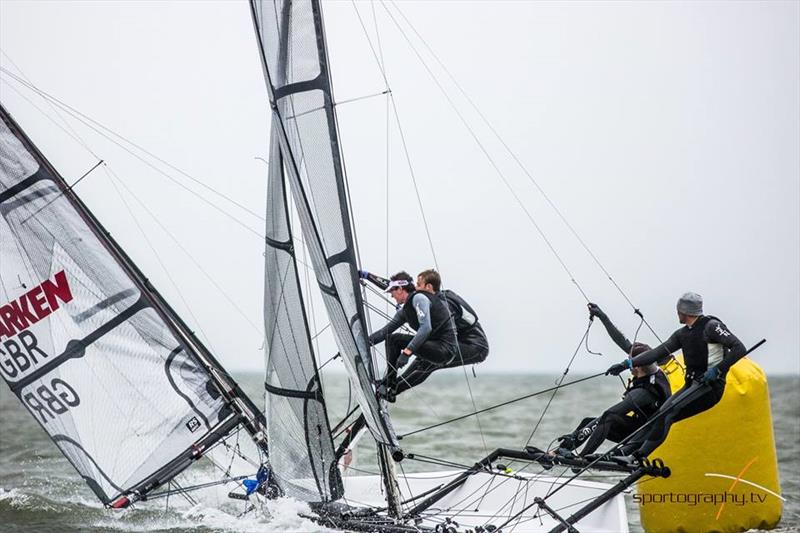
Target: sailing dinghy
<point>132,397</point>
<point>306,165</point>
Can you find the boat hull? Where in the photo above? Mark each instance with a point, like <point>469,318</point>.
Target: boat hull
<point>485,499</point>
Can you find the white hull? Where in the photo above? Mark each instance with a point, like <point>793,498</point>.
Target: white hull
<point>484,499</point>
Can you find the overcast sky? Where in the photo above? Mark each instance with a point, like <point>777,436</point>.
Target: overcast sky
<point>667,135</point>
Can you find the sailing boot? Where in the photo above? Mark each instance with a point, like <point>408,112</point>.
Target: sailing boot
<point>386,391</point>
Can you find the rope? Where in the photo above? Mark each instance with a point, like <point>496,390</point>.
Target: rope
<point>485,152</point>
<point>111,136</point>
<point>503,404</point>
<point>419,200</point>
<point>559,383</point>
<point>519,163</point>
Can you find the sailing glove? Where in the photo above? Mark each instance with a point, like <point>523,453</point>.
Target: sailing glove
<point>402,360</point>
<point>712,374</point>
<point>595,311</point>
<point>619,368</point>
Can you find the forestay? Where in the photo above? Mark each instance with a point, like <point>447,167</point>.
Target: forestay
<point>292,44</point>
<point>83,344</point>
<point>299,432</point>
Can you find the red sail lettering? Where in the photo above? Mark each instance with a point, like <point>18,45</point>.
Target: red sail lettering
<point>24,315</point>
<point>38,302</point>
<point>8,316</point>
<point>4,332</point>
<point>60,289</point>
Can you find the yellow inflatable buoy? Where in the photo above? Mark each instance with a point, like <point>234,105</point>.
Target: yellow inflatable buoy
<point>723,462</point>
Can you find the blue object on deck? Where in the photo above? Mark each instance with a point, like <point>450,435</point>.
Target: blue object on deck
<point>262,477</point>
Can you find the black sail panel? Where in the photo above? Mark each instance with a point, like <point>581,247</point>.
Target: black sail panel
<point>82,344</point>
<point>292,43</point>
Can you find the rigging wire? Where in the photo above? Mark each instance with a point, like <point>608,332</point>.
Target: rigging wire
<point>400,131</point>
<point>121,141</point>
<point>559,383</point>
<point>202,270</point>
<point>387,137</point>
<point>98,128</point>
<point>421,208</point>
<point>112,177</point>
<point>67,127</point>
<point>503,404</point>
<point>488,156</point>
<point>522,167</point>
<point>70,187</point>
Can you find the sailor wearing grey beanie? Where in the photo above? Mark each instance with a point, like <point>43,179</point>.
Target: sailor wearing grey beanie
<point>709,350</point>
<point>690,304</point>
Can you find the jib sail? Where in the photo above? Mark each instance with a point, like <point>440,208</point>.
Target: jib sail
<point>83,343</point>
<point>292,45</point>
<point>302,454</point>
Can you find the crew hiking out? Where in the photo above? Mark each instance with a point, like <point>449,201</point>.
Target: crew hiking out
<point>473,346</point>
<point>709,350</point>
<point>646,391</point>
<point>426,313</point>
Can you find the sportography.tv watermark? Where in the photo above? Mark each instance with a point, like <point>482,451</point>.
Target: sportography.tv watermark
<point>713,498</point>
<point>698,498</point>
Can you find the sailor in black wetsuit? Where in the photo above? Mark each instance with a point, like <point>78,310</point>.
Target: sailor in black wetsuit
<point>709,350</point>
<point>473,346</point>
<point>435,341</point>
<point>646,391</point>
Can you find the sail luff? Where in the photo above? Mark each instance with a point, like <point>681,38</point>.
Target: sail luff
<point>146,321</point>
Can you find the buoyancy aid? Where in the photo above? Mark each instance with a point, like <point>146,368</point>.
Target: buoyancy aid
<point>442,325</point>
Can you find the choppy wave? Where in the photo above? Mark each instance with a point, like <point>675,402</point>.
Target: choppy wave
<point>40,491</point>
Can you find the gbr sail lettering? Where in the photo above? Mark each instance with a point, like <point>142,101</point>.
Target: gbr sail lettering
<point>19,347</point>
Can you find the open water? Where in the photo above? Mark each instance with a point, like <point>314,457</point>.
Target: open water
<point>39,490</point>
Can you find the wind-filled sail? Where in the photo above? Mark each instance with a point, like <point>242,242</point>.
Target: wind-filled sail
<point>292,43</point>
<point>302,454</point>
<point>82,344</point>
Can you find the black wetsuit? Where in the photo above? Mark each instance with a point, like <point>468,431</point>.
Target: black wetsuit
<point>642,398</point>
<point>435,343</point>
<point>707,343</point>
<point>473,347</point>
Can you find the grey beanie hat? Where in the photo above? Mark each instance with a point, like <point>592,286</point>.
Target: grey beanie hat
<point>690,304</point>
